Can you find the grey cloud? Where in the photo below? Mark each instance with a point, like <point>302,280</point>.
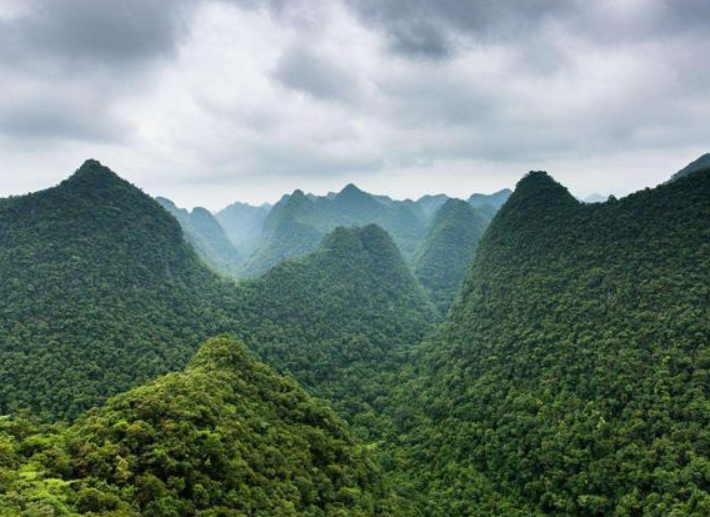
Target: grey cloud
<point>102,33</point>
<point>303,69</point>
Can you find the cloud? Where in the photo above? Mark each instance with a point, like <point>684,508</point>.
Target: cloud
<point>230,99</point>
<point>303,69</point>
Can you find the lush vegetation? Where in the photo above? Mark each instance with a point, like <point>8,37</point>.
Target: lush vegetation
<point>99,292</point>
<point>572,376</point>
<point>227,437</point>
<point>298,223</point>
<point>102,294</point>
<point>447,252</point>
<point>342,321</point>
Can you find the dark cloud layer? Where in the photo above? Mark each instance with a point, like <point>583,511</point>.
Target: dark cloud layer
<point>319,88</point>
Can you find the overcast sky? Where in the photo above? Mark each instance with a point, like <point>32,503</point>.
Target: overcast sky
<point>211,101</point>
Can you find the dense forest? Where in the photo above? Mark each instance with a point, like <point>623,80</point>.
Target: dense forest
<point>227,437</point>
<point>124,299</point>
<point>565,371</point>
<point>342,320</point>
<point>98,293</point>
<point>448,250</point>
<point>571,377</point>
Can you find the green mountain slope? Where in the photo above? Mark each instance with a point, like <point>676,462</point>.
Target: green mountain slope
<point>243,225</point>
<point>98,293</point>
<point>341,320</point>
<point>572,376</point>
<point>448,250</point>
<point>297,224</point>
<point>226,437</point>
<point>102,293</point>
<point>208,238</point>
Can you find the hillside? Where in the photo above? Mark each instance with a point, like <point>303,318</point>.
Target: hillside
<point>298,223</point>
<point>572,375</point>
<point>226,437</point>
<point>206,235</point>
<point>243,225</point>
<point>99,292</point>
<point>490,203</point>
<point>447,252</point>
<point>341,320</point>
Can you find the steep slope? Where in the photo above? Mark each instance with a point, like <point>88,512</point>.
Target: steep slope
<point>700,164</point>
<point>99,292</point>
<point>490,203</point>
<point>297,224</point>
<point>341,320</point>
<point>429,205</point>
<point>208,238</point>
<point>243,225</point>
<point>572,377</point>
<point>448,250</point>
<point>226,437</point>
<point>288,232</point>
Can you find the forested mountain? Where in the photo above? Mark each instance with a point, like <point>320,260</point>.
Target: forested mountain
<point>342,320</point>
<point>429,205</point>
<point>298,223</point>
<point>700,164</point>
<point>448,250</point>
<point>206,235</point>
<point>572,375</point>
<point>98,292</point>
<point>227,437</point>
<point>243,225</point>
<point>101,292</point>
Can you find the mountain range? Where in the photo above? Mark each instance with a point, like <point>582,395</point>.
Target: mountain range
<point>524,354</point>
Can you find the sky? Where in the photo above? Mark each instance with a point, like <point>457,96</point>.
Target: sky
<point>213,101</point>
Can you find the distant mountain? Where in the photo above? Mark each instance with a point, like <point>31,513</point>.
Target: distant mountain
<point>448,250</point>
<point>208,238</point>
<point>243,225</point>
<point>297,223</point>
<point>701,163</point>
<point>99,292</point>
<point>490,203</point>
<point>341,320</point>
<point>225,437</point>
<point>430,205</point>
<point>571,376</point>
<point>596,198</point>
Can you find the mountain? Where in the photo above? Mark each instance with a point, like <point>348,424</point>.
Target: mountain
<point>571,377</point>
<point>243,225</point>
<point>430,205</point>
<point>288,232</point>
<point>208,238</point>
<point>99,292</point>
<point>595,198</point>
<point>490,203</point>
<point>342,320</point>
<point>700,164</point>
<point>447,252</point>
<point>298,223</point>
<point>225,437</point>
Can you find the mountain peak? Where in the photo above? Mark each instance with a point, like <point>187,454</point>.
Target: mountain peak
<point>94,171</point>
<point>540,185</point>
